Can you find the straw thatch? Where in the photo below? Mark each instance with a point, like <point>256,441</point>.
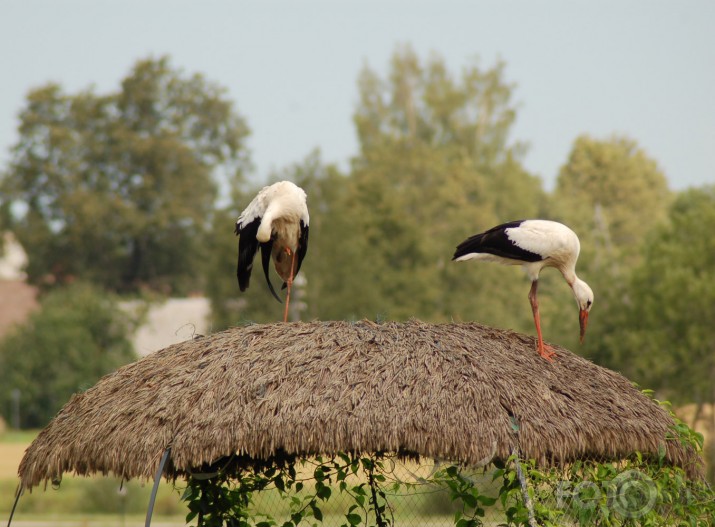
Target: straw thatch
<point>460,392</point>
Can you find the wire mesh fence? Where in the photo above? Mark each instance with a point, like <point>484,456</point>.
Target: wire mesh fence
<point>411,495</point>
<point>434,494</point>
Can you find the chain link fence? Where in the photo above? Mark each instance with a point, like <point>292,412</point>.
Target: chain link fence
<point>422,494</point>
<point>430,493</point>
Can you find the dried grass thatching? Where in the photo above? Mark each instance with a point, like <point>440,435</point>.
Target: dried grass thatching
<point>447,391</point>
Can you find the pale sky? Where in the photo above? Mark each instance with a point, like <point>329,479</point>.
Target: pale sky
<point>643,68</point>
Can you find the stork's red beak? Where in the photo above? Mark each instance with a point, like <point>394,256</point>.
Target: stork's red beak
<point>583,322</point>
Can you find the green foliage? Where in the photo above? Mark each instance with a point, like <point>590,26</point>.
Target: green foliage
<point>463,490</point>
<point>224,496</point>
<point>638,491</point>
<point>77,336</point>
<point>119,189</point>
<point>434,163</point>
<point>670,318</point>
<point>435,166</point>
<point>612,194</point>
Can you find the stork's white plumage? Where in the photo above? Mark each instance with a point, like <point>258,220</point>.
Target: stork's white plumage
<point>534,244</point>
<point>276,221</point>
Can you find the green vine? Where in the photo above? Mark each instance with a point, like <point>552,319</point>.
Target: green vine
<point>639,491</point>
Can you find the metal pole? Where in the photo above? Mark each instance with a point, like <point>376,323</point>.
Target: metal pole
<point>157,479</point>
<point>18,493</point>
<point>524,488</point>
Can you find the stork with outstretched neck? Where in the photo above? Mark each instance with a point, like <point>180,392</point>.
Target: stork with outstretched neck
<point>276,221</point>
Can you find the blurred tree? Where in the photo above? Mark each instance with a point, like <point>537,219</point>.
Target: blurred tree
<point>664,337</point>
<point>667,339</point>
<point>119,189</point>
<point>612,194</point>
<point>77,336</point>
<point>435,166</point>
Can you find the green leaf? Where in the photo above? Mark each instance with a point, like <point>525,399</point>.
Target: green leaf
<point>354,519</point>
<point>317,513</point>
<point>188,493</point>
<point>469,500</point>
<point>279,483</point>
<point>486,500</point>
<point>324,493</point>
<point>359,490</point>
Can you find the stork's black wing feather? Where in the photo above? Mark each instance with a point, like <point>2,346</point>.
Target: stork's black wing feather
<point>302,245</point>
<point>266,249</point>
<point>247,249</point>
<point>495,241</point>
<point>302,248</point>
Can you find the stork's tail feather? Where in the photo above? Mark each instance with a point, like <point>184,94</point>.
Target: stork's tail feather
<point>468,247</point>
<point>266,260</point>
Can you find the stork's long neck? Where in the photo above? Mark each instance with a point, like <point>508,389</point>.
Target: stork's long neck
<point>266,226</point>
<point>578,286</point>
<point>569,275</point>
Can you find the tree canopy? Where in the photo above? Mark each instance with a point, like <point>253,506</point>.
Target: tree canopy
<point>78,335</point>
<point>669,317</point>
<point>119,189</point>
<point>612,193</point>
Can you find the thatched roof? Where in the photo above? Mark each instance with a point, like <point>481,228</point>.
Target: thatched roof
<point>447,391</point>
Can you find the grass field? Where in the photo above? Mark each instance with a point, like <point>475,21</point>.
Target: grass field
<point>10,456</point>
<point>12,447</point>
<point>88,502</point>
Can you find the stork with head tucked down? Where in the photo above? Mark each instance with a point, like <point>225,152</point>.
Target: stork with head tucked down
<point>534,244</point>
<point>276,221</point>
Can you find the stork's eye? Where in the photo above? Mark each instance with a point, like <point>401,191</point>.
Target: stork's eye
<point>588,303</point>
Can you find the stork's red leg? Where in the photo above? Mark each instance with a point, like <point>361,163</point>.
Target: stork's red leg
<point>289,283</point>
<point>544,350</point>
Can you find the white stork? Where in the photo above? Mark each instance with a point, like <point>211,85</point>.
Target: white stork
<point>535,244</point>
<point>276,220</point>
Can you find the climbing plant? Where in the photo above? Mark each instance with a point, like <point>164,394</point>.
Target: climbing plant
<point>353,490</point>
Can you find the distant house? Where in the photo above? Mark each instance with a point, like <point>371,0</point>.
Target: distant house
<point>13,259</point>
<point>166,323</point>
<point>170,322</point>
<point>17,298</point>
